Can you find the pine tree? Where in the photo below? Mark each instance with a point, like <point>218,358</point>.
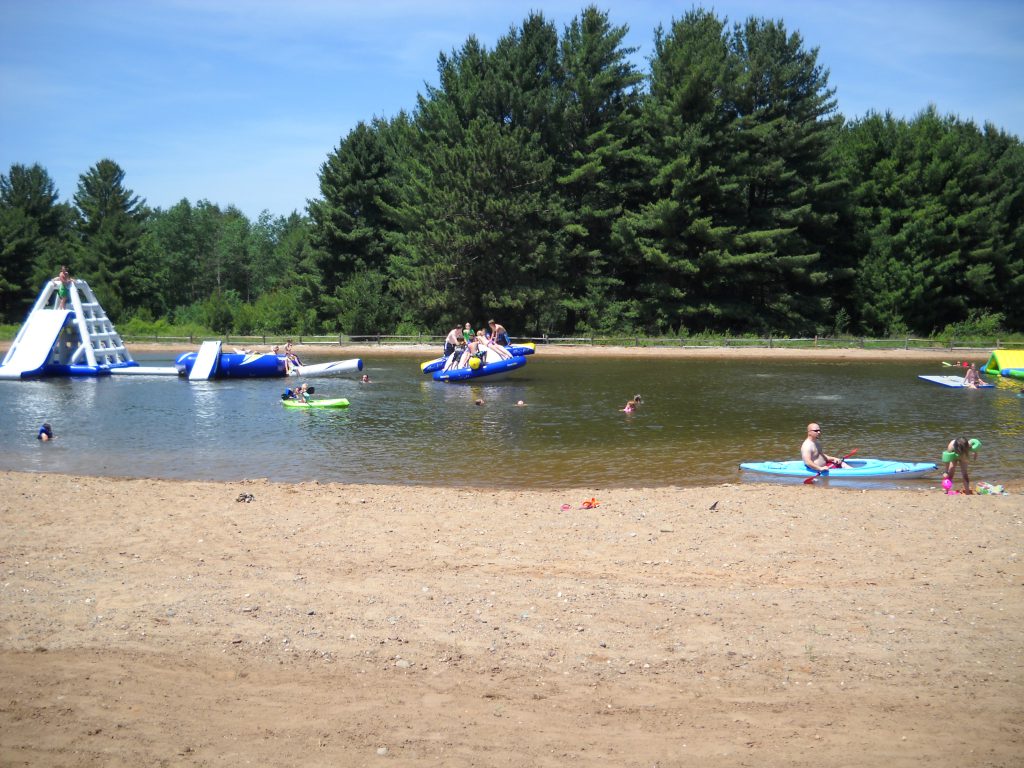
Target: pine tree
<point>34,237</point>
<point>679,237</point>
<point>598,170</point>
<point>110,224</point>
<point>785,116</point>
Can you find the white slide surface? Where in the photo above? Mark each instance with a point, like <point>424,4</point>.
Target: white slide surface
<point>206,361</point>
<point>30,351</point>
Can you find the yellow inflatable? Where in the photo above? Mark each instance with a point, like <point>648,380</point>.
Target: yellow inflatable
<point>1008,362</point>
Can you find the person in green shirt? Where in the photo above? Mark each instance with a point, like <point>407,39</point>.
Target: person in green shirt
<point>957,453</point>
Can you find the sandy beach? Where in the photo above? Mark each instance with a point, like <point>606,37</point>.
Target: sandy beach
<point>251,623</point>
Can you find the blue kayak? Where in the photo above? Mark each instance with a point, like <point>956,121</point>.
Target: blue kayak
<point>858,468</point>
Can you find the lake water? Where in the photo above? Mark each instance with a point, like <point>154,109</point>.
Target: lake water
<point>699,420</point>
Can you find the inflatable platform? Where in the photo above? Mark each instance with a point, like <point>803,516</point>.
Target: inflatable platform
<point>210,362</point>
<point>957,382</point>
<point>492,369</point>
<point>492,365</point>
<point>1006,362</point>
<point>516,350</point>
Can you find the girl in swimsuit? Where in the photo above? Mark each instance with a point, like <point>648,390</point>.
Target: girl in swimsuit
<point>956,453</point>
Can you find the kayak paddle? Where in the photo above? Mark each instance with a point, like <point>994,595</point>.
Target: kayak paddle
<point>810,480</point>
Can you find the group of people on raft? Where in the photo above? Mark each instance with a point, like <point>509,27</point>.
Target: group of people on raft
<point>462,344</point>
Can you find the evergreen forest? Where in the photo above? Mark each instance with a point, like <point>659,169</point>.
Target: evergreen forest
<point>552,184</point>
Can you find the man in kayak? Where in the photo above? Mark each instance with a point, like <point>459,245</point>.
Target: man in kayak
<point>814,456</point>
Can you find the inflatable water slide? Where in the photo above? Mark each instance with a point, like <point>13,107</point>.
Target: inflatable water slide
<point>77,339</point>
<point>1006,362</point>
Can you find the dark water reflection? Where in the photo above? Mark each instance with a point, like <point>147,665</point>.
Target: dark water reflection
<point>700,418</point>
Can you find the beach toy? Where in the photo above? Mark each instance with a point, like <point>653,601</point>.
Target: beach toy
<point>947,486</point>
<point>566,507</point>
<point>590,504</point>
<point>987,489</point>
<point>474,363</point>
<point>974,443</point>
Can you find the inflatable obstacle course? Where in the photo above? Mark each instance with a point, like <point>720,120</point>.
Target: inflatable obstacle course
<point>1006,362</point>
<point>78,340</point>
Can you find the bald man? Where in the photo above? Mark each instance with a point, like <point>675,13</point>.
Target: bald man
<point>814,457</point>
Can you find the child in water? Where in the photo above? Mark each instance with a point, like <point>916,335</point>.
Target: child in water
<point>633,404</point>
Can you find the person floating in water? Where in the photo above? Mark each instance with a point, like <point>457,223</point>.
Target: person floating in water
<point>46,433</point>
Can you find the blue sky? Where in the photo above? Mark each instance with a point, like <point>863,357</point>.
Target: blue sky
<point>240,102</point>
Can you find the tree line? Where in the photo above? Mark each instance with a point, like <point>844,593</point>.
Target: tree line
<point>551,183</point>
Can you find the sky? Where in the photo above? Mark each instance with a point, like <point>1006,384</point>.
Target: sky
<point>240,102</point>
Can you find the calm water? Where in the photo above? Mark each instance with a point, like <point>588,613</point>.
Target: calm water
<point>699,420</point>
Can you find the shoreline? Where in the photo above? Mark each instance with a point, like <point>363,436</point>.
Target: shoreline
<point>226,623</point>
<point>429,351</point>
<point>345,351</point>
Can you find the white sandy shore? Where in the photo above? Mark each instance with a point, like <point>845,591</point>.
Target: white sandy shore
<point>224,624</point>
